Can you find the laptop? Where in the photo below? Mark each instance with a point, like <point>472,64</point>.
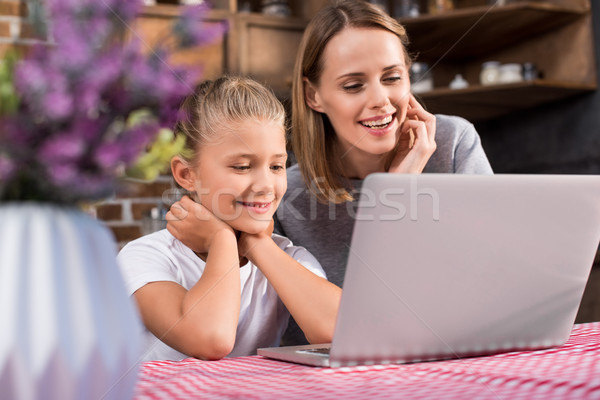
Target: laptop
<point>449,266</point>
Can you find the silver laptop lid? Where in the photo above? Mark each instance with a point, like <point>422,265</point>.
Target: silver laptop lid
<point>445,266</point>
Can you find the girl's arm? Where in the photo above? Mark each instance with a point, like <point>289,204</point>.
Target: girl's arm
<point>201,322</point>
<point>311,300</point>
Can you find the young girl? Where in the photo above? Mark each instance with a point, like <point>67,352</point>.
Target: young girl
<point>353,115</point>
<point>217,303</point>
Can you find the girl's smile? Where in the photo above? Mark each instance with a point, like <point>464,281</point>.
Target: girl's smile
<point>256,207</point>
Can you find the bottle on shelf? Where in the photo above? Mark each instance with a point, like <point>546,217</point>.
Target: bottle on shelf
<point>458,82</point>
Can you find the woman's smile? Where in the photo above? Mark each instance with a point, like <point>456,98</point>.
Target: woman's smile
<point>380,125</point>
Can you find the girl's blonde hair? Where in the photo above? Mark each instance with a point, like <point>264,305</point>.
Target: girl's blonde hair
<point>313,137</point>
<point>217,105</point>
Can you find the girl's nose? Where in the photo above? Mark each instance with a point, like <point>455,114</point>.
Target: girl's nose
<point>263,182</point>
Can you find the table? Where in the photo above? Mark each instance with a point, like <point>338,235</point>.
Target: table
<point>571,371</point>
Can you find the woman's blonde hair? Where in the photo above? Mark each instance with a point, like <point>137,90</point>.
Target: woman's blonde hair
<point>217,105</point>
<point>313,137</point>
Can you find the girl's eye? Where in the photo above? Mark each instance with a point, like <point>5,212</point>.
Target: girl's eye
<point>278,168</point>
<point>240,167</point>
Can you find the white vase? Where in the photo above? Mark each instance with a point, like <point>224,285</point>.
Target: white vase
<point>68,330</point>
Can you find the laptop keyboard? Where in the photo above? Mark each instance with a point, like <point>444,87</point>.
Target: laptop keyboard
<point>317,350</point>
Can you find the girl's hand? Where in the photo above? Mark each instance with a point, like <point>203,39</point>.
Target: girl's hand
<point>412,157</point>
<point>193,224</point>
<point>311,300</point>
<point>248,243</point>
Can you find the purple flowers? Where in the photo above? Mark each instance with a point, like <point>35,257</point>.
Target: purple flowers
<point>190,29</point>
<point>89,104</point>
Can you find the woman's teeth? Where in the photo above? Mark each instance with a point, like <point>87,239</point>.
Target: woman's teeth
<point>379,123</point>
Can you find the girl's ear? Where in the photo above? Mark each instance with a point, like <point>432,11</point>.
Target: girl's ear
<point>311,96</point>
<point>183,173</point>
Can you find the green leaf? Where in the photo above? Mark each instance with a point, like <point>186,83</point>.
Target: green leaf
<point>9,100</point>
<point>157,159</point>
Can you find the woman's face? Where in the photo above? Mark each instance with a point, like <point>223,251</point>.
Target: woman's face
<point>364,89</point>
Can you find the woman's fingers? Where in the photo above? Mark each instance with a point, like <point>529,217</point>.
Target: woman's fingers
<point>413,157</point>
<point>416,111</point>
<point>423,144</point>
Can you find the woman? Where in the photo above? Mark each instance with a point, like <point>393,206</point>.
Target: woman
<point>353,114</point>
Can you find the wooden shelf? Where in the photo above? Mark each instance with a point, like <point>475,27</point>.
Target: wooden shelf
<point>555,35</point>
<point>272,20</point>
<point>476,31</point>
<point>173,10</point>
<point>482,102</point>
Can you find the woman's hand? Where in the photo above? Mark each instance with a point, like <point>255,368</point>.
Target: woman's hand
<point>412,157</point>
<point>193,224</point>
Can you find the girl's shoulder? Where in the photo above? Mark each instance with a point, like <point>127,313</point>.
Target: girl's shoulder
<point>300,254</point>
<point>283,242</point>
<point>158,248</point>
<point>154,242</point>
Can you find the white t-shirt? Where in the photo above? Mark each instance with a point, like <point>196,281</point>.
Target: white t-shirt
<point>161,257</point>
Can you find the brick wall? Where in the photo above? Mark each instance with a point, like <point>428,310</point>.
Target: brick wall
<point>15,32</point>
<point>128,213</point>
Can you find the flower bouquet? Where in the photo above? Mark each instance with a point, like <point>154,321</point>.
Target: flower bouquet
<point>83,106</point>
<point>76,112</point>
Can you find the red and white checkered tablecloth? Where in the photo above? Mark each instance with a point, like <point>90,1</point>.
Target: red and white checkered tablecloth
<point>571,371</point>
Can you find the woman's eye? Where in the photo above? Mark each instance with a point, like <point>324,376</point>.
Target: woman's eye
<point>353,87</point>
<point>393,79</point>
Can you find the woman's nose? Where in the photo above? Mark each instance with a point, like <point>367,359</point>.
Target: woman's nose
<point>378,96</point>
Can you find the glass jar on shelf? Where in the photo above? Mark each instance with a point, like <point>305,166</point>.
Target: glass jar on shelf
<point>440,6</point>
<point>382,4</point>
<point>405,8</point>
<point>530,72</point>
<point>421,79</point>
<point>511,73</point>
<point>490,73</point>
<point>276,7</point>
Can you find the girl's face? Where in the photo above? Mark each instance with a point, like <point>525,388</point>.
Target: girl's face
<point>240,176</point>
<point>364,90</point>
